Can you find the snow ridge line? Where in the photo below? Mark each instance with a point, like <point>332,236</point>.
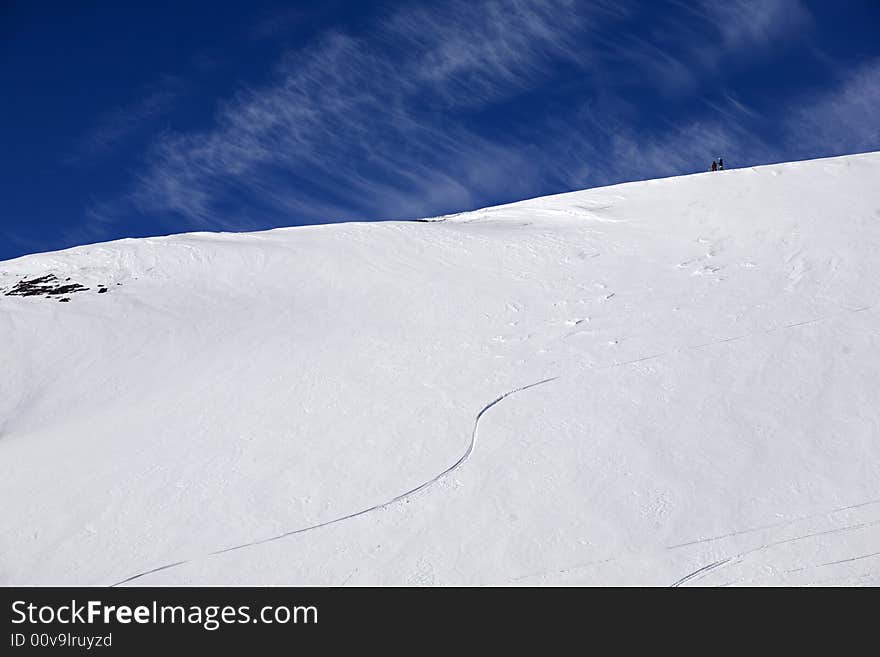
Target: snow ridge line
<point>377,507</point>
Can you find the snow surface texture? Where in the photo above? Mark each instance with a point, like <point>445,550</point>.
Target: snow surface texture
<point>672,382</point>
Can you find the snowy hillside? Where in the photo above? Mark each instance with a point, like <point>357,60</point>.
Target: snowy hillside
<point>667,382</point>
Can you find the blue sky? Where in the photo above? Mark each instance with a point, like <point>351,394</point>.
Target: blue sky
<point>124,121</point>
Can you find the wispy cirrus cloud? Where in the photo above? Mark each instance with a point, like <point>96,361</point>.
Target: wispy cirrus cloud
<point>838,119</point>
<point>473,53</point>
<point>601,145</point>
<point>704,39</point>
<point>841,120</point>
<point>351,113</point>
<point>387,124</point>
<point>113,127</point>
<point>743,25</point>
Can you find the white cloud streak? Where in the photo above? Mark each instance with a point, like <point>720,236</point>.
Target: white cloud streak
<point>113,127</point>
<point>382,126</point>
<point>744,25</point>
<point>346,115</point>
<point>842,120</point>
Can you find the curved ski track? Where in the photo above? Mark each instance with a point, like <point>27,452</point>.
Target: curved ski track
<point>697,574</point>
<point>377,507</point>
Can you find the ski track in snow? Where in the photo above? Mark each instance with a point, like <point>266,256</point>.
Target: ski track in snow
<point>699,571</point>
<point>774,525</point>
<point>738,558</point>
<point>735,338</point>
<point>807,262</point>
<point>695,575</point>
<point>735,558</point>
<point>703,571</point>
<point>377,507</point>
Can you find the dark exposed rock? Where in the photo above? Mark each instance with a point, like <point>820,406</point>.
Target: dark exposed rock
<point>47,285</point>
<point>51,287</point>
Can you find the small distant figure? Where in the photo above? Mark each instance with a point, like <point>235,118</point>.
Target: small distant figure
<point>720,164</point>
<point>714,165</point>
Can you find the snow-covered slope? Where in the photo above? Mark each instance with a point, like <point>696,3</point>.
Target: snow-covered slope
<point>674,381</point>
